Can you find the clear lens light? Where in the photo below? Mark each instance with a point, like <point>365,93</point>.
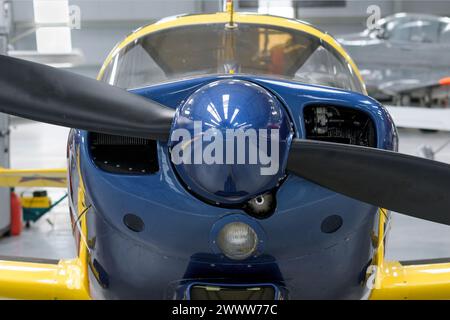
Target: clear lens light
<point>237,240</point>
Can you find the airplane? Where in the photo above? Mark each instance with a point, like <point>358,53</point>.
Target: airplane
<point>148,226</point>
<point>401,59</point>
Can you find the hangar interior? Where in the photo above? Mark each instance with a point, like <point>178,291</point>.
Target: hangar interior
<point>102,24</point>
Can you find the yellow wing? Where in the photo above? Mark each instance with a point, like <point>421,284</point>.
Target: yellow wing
<point>424,280</point>
<point>22,278</point>
<point>33,178</point>
<point>409,280</point>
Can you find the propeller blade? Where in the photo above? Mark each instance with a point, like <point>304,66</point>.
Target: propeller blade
<point>42,93</point>
<point>410,185</point>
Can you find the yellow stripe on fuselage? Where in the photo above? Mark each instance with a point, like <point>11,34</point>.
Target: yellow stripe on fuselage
<point>223,17</point>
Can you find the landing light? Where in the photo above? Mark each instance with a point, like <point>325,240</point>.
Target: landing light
<point>237,240</point>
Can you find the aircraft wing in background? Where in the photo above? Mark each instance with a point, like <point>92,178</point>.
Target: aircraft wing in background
<point>428,92</point>
<point>33,178</point>
<point>404,86</point>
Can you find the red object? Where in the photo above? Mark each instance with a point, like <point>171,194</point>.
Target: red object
<point>445,81</point>
<point>16,215</point>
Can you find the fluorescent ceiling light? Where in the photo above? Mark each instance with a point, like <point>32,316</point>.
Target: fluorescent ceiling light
<point>51,40</point>
<point>51,11</point>
<point>282,8</point>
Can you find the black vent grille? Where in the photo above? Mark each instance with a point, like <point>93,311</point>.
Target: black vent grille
<point>106,139</point>
<point>125,155</point>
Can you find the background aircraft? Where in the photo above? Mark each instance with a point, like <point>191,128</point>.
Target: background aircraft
<point>404,59</point>
<point>146,227</point>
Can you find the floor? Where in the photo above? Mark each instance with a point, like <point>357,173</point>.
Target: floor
<point>412,238</point>
<point>51,236</point>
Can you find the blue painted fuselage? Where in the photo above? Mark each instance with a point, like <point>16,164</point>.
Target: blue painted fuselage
<point>175,248</point>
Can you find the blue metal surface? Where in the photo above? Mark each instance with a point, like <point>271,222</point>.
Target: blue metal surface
<point>175,247</point>
<point>294,95</point>
<point>224,108</point>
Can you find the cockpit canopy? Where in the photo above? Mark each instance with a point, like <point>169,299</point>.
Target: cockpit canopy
<point>216,48</point>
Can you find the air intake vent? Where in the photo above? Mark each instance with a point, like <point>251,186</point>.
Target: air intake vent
<point>125,155</point>
<point>339,124</point>
<point>109,140</point>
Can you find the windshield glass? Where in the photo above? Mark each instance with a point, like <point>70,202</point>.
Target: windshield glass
<point>215,49</point>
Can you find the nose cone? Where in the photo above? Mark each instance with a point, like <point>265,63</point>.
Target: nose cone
<point>229,141</point>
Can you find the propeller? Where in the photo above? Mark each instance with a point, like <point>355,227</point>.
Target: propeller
<point>42,93</point>
<point>413,186</point>
<point>410,185</point>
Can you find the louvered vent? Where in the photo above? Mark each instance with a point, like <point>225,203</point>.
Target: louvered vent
<point>125,155</point>
<point>105,139</point>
